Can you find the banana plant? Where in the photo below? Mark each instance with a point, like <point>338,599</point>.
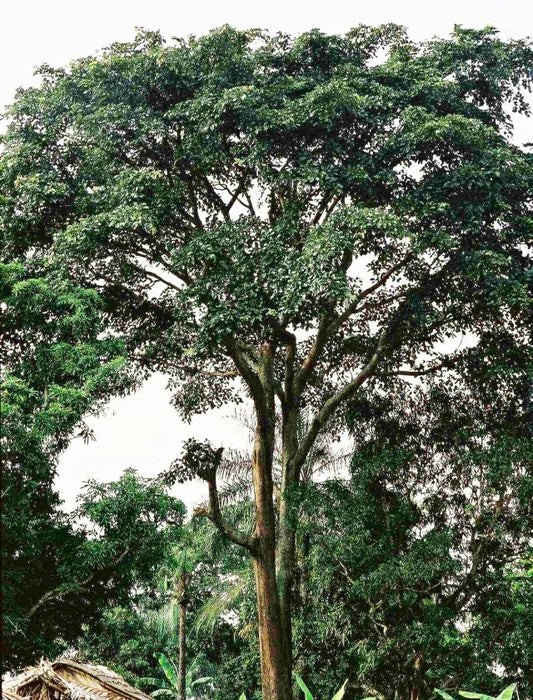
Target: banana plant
<point>506,694</point>
<point>171,687</point>
<point>309,696</point>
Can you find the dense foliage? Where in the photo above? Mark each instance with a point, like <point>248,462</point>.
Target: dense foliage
<point>61,570</point>
<point>417,572</point>
<point>64,572</point>
<point>413,573</point>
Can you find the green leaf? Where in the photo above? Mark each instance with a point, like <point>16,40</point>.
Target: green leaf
<point>201,681</point>
<point>507,694</point>
<point>162,691</point>
<point>303,687</point>
<point>340,693</point>
<point>168,668</point>
<point>243,697</point>
<point>479,696</point>
<point>150,681</point>
<point>443,694</point>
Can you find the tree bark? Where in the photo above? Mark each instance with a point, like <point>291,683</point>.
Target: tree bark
<point>275,666</point>
<point>275,670</point>
<point>286,545</point>
<point>285,571</point>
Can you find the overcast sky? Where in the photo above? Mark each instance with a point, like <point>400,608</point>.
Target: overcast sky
<point>143,431</point>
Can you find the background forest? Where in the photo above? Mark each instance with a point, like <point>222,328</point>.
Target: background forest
<point>334,231</point>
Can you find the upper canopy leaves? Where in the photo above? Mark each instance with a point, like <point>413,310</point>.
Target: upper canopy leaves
<point>358,191</point>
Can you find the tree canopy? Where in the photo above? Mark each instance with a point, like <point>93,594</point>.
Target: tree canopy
<point>239,187</point>
<point>62,572</point>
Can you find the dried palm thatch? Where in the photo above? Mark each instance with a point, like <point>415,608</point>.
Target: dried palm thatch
<point>69,680</point>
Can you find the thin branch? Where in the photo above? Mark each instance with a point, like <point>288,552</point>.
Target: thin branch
<point>329,211</point>
<point>351,308</point>
<point>156,276</point>
<point>250,204</point>
<point>236,194</point>
<point>193,203</point>
<point>310,361</point>
<point>231,374</point>
<point>378,303</point>
<point>416,372</point>
<point>221,374</point>
<point>330,324</point>
<point>215,198</point>
<point>321,208</point>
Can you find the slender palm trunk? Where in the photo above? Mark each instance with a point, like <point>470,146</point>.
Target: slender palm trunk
<point>182,672</point>
<point>418,680</point>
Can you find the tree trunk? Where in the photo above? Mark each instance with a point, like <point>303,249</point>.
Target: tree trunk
<point>286,552</point>
<point>286,546</point>
<point>275,666</point>
<point>301,580</point>
<point>416,690</point>
<point>182,674</point>
<point>275,670</point>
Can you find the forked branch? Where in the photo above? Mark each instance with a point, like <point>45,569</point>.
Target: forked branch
<point>334,401</point>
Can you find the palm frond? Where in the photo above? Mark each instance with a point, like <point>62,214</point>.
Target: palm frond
<point>164,621</point>
<point>223,602</point>
<point>235,464</point>
<point>236,491</point>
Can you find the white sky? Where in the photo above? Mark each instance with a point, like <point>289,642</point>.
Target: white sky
<point>143,431</point>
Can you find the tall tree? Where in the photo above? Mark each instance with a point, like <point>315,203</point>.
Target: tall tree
<point>178,572</point>
<point>291,217</point>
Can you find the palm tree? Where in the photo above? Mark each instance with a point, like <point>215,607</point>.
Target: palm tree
<point>184,565</point>
<point>171,620</point>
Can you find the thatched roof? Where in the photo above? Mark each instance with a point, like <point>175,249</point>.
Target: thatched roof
<point>69,680</point>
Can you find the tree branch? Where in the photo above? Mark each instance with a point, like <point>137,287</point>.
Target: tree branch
<point>250,376</point>
<point>60,592</point>
<point>235,195</point>
<point>215,198</point>
<point>351,308</point>
<point>312,356</point>
<point>330,324</point>
<point>332,403</point>
<point>416,372</point>
<point>214,514</point>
